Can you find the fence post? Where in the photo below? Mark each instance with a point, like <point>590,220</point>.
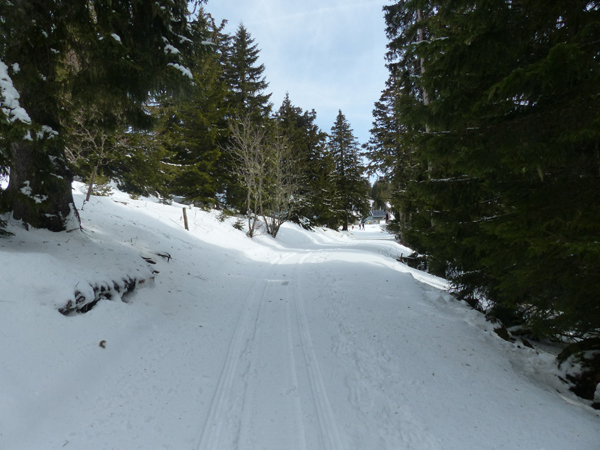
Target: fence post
<point>185,222</point>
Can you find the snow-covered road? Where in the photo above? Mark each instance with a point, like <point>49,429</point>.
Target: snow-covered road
<point>314,341</point>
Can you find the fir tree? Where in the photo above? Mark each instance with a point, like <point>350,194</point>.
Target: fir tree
<point>246,85</point>
<point>309,145</point>
<point>244,77</point>
<point>352,187</point>
<point>391,155</point>
<point>192,129</point>
<point>381,194</point>
<point>509,136</point>
<point>112,54</point>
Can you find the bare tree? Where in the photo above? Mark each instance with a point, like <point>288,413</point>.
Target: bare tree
<point>283,186</point>
<point>267,168</point>
<point>246,147</point>
<point>89,145</point>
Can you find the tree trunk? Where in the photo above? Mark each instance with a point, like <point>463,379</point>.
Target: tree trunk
<point>92,181</point>
<point>39,190</point>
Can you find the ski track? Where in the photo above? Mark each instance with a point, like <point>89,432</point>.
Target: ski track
<point>329,433</point>
<point>219,413</point>
<point>271,412</point>
<point>385,423</point>
<point>270,394</point>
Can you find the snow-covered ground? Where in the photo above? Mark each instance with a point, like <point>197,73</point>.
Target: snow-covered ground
<point>313,341</point>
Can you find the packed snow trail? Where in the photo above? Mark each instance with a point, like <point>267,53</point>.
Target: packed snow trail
<point>256,402</point>
<point>262,399</point>
<point>313,341</point>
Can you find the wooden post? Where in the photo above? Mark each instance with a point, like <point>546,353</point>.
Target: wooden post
<point>185,222</point>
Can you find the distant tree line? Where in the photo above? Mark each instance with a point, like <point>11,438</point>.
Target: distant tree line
<point>151,96</point>
<point>488,131</point>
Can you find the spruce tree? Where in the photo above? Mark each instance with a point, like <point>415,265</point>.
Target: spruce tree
<point>191,130</point>
<point>309,145</point>
<point>509,208</point>
<point>246,96</point>
<point>352,187</point>
<point>112,54</point>
<point>392,155</point>
<point>381,194</point>
<point>244,77</point>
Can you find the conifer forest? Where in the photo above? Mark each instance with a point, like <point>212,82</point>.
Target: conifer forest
<point>485,142</point>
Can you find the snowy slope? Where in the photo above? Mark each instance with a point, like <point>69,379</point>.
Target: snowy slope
<point>314,341</point>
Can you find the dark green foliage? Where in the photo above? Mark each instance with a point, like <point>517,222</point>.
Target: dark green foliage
<point>391,156</point>
<point>352,189</point>
<point>245,78</point>
<point>246,87</point>
<point>109,54</point>
<point>192,129</point>
<point>327,197</point>
<point>381,193</point>
<point>3,232</point>
<point>140,168</point>
<point>504,125</point>
<point>308,142</point>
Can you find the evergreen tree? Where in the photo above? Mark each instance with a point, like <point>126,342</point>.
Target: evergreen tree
<point>326,194</point>
<point>510,206</point>
<point>392,155</point>
<point>381,194</point>
<point>112,54</point>
<point>309,144</point>
<point>192,129</point>
<point>352,187</point>
<point>246,85</point>
<point>244,77</point>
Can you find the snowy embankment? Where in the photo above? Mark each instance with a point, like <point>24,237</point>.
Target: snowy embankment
<point>316,340</point>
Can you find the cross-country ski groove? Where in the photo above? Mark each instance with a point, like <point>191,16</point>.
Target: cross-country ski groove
<point>272,417</point>
<point>271,394</point>
<point>257,400</point>
<point>210,437</point>
<point>331,439</point>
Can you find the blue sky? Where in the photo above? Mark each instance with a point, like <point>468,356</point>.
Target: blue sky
<point>328,54</point>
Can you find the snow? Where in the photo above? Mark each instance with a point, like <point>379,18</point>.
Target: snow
<point>184,70</point>
<point>315,340</point>
<point>9,98</point>
<point>46,130</point>
<point>170,49</point>
<point>26,190</point>
<point>184,39</point>
<point>116,37</point>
